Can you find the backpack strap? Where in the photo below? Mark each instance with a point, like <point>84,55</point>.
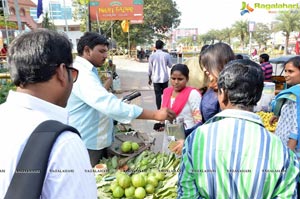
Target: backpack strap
<point>28,179</point>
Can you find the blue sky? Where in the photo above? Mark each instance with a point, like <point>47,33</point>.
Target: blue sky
<point>218,14</point>
<point>215,14</point>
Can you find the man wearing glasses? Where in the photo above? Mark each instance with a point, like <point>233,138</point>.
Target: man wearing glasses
<point>40,64</point>
<point>92,108</point>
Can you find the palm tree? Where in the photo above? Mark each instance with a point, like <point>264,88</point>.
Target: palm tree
<point>287,22</point>
<point>240,29</point>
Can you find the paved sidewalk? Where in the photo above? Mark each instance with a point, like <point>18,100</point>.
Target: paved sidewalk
<point>133,76</point>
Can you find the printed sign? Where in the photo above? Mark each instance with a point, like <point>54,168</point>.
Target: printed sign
<point>108,10</point>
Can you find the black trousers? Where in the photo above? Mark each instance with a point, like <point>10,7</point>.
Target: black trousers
<point>158,90</point>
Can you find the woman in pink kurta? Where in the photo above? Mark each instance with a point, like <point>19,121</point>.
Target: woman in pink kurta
<point>183,100</point>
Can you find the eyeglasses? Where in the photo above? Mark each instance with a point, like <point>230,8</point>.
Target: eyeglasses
<point>74,72</point>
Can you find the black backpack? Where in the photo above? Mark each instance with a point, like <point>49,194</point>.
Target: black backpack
<point>28,179</point>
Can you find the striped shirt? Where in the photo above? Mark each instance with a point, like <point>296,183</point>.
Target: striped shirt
<point>234,156</point>
<point>267,69</point>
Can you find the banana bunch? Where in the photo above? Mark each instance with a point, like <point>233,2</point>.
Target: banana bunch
<point>265,117</point>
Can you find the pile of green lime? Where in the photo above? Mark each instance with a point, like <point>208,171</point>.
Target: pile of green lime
<point>138,185</point>
<point>128,146</point>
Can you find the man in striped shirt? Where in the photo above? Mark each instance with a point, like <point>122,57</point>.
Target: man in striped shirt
<point>232,155</point>
<point>266,66</point>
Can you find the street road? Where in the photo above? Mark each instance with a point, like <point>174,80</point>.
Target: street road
<point>133,76</point>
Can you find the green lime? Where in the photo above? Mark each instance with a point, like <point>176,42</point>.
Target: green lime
<point>126,146</point>
<point>140,193</point>
<point>129,192</point>
<point>150,188</point>
<point>118,192</point>
<point>135,146</point>
<point>138,180</point>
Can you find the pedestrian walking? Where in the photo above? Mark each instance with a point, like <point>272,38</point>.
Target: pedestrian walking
<point>158,73</point>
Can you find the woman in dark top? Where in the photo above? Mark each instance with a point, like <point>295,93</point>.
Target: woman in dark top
<point>213,59</point>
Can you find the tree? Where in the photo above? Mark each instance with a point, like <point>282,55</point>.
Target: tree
<point>240,29</point>
<point>80,13</point>
<point>160,16</point>
<point>225,35</point>
<point>261,34</point>
<point>287,22</point>
<point>210,37</point>
<point>47,23</point>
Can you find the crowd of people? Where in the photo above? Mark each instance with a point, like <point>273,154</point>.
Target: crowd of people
<point>226,151</point>
<point>228,146</point>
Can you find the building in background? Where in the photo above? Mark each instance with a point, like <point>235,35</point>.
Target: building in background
<point>61,16</point>
<point>56,11</point>
<point>9,18</point>
<point>181,33</point>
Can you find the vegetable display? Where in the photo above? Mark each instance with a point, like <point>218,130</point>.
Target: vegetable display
<point>148,175</point>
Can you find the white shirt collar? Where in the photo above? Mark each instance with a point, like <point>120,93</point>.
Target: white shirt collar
<point>27,101</point>
<point>82,62</point>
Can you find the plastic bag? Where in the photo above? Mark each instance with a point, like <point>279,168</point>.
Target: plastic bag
<point>176,128</point>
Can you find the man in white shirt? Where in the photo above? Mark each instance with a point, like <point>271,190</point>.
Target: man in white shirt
<point>92,108</point>
<point>40,65</point>
<point>158,73</point>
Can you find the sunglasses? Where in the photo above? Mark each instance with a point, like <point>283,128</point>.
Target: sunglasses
<point>74,72</point>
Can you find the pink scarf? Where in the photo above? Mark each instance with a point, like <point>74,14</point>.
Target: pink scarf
<point>180,99</point>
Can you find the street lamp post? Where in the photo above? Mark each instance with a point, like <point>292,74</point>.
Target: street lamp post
<point>5,13</point>
<point>65,16</point>
<point>18,15</point>
<point>251,28</point>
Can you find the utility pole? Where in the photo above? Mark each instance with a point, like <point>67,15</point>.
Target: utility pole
<point>251,28</point>
<point>65,16</point>
<point>99,29</point>
<point>4,13</point>
<point>89,27</point>
<point>18,15</point>
<point>129,44</point>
